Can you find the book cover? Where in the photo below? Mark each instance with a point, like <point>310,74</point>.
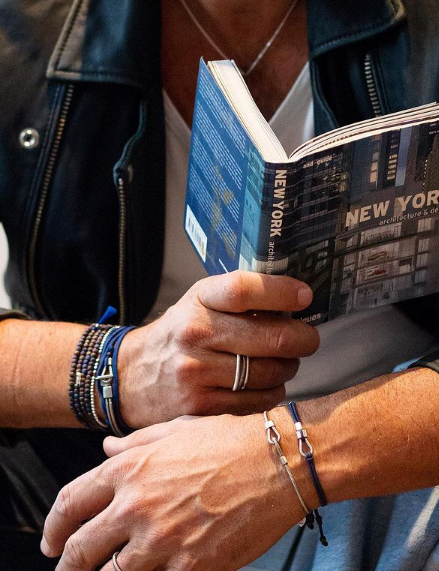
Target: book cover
<point>217,178</point>
<point>358,221</point>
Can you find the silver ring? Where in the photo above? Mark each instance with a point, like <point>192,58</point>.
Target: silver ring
<point>114,561</point>
<point>247,368</point>
<point>241,372</point>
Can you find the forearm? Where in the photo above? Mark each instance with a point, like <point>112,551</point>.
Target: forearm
<point>374,439</point>
<point>228,481</point>
<point>173,366</point>
<point>34,372</point>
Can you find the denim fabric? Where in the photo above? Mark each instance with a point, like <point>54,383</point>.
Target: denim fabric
<point>395,533</point>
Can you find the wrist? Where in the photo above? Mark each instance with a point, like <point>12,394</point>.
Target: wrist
<point>130,353</point>
<point>265,482</point>
<point>312,517</point>
<point>337,447</point>
<point>298,466</point>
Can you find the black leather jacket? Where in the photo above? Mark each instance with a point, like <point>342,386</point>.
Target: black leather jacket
<point>82,193</point>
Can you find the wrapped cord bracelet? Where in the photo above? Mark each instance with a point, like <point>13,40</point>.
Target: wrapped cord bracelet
<point>94,364</point>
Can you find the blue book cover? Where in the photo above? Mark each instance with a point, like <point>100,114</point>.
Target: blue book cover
<point>224,165</point>
<point>354,213</point>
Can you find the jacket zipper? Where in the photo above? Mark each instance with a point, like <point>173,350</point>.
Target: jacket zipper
<point>46,181</point>
<point>122,244</point>
<point>371,84</point>
<point>122,179</point>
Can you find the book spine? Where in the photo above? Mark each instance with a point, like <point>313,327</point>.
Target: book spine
<point>268,214</point>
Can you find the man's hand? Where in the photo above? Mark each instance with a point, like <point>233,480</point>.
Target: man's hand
<point>210,494</point>
<point>195,500</point>
<point>184,363</point>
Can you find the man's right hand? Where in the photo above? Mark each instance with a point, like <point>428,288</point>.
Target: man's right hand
<point>185,362</point>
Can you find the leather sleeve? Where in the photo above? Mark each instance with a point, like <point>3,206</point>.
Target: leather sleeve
<point>431,361</point>
<point>12,314</point>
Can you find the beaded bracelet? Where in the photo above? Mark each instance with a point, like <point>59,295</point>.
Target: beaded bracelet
<point>99,422</point>
<point>308,455</point>
<point>81,373</point>
<point>94,364</point>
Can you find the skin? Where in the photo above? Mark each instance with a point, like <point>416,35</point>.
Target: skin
<point>236,27</point>
<point>194,495</point>
<point>183,363</point>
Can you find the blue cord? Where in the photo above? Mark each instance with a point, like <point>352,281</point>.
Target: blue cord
<point>116,348</point>
<point>108,314</point>
<point>309,457</point>
<point>110,350</point>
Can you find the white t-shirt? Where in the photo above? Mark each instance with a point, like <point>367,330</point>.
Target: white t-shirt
<point>353,348</point>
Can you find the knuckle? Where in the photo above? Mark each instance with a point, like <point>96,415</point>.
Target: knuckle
<point>193,333</point>
<point>139,545</point>
<point>122,472</point>
<point>74,554</point>
<point>184,562</point>
<point>150,540</point>
<point>271,377</point>
<point>236,291</point>
<point>119,468</point>
<point>63,504</point>
<point>156,539</point>
<point>187,370</point>
<point>279,341</point>
<point>131,508</point>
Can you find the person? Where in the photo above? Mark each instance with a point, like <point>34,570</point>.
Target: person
<point>90,114</point>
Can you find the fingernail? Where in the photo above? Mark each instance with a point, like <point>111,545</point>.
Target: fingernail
<point>44,546</point>
<point>304,296</point>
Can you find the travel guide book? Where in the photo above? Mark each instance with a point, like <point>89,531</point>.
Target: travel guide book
<point>354,213</point>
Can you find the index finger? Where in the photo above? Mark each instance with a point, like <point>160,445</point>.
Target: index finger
<point>77,502</point>
<point>240,291</point>
<point>143,436</point>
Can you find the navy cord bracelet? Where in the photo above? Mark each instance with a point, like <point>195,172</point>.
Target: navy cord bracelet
<point>117,344</point>
<point>107,378</point>
<point>306,451</point>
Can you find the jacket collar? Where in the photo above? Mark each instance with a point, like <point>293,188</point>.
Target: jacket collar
<point>119,41</point>
<point>114,41</point>
<point>336,23</point>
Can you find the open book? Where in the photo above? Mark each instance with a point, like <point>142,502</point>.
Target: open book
<point>353,212</point>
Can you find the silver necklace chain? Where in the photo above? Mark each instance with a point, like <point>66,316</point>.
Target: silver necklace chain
<point>260,55</point>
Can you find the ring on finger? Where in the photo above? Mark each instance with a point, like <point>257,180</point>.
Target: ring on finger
<point>114,561</point>
<point>241,372</point>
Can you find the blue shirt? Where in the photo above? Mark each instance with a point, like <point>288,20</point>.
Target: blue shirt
<point>393,533</point>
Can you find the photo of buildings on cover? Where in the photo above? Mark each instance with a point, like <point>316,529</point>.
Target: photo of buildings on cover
<point>380,198</point>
